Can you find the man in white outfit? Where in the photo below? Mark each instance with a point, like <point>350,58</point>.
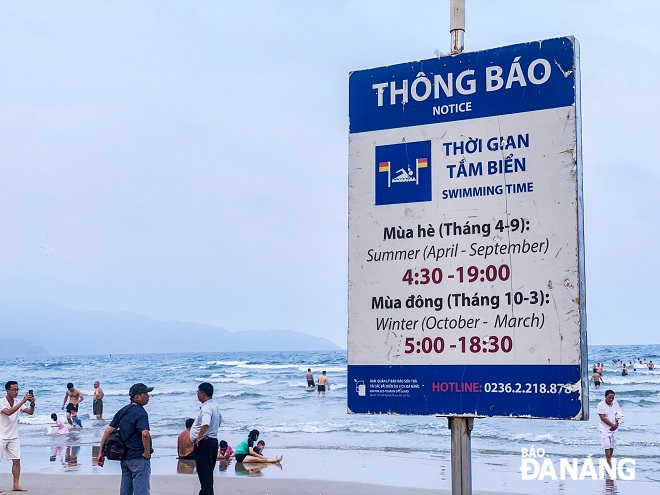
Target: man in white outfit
<point>610,415</point>
<point>10,447</point>
<point>204,436</point>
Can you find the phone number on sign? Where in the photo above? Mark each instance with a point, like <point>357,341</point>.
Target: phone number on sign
<point>525,388</point>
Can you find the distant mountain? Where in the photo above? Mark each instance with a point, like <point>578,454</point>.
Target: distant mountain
<point>59,330</point>
<point>19,348</point>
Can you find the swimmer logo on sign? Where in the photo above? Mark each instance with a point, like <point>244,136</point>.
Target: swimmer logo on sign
<point>403,173</point>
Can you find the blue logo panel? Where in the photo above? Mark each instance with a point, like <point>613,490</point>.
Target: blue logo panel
<point>403,173</point>
<point>540,391</point>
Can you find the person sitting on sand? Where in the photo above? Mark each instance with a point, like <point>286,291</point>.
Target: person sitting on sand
<point>245,450</point>
<point>224,450</point>
<point>62,429</point>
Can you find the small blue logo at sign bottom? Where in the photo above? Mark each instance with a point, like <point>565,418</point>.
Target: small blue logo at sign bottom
<point>403,173</point>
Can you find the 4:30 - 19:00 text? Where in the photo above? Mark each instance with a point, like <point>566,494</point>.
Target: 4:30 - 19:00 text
<point>469,274</point>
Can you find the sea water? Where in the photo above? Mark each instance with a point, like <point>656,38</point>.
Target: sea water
<point>267,391</point>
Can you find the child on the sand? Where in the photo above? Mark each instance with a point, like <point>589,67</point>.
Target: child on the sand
<point>77,422</point>
<point>259,449</point>
<point>224,450</point>
<point>62,429</point>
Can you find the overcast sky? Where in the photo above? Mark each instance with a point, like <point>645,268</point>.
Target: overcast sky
<point>188,159</point>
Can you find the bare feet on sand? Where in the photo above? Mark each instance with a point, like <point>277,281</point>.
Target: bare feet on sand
<point>18,488</point>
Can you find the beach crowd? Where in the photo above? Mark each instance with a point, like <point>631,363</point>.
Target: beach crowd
<point>128,438</point>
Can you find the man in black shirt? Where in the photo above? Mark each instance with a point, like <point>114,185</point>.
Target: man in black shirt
<point>133,423</point>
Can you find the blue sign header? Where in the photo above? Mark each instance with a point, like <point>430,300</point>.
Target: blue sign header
<point>501,81</point>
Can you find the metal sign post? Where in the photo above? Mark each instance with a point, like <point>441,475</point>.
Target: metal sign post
<point>461,427</point>
<point>461,455</point>
<point>457,25</point>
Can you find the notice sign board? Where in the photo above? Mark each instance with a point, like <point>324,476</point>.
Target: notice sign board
<point>466,255</point>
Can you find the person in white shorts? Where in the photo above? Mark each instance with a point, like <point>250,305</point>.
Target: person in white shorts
<point>610,415</point>
<point>9,444</point>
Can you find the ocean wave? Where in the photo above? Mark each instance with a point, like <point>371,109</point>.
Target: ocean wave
<point>318,368</point>
<point>379,427</point>
<point>55,364</point>
<point>300,383</point>
<point>233,374</point>
<point>293,397</point>
<point>267,366</point>
<point>238,394</point>
<point>226,363</point>
<point>223,381</point>
<point>628,380</point>
<point>637,402</point>
<point>253,383</point>
<point>38,419</point>
<point>225,378</point>
<point>534,437</point>
<point>124,392</point>
<point>630,394</point>
<point>543,439</point>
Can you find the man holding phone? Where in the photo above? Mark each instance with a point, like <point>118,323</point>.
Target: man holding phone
<point>9,444</point>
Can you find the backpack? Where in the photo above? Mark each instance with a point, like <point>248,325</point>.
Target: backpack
<point>115,447</point>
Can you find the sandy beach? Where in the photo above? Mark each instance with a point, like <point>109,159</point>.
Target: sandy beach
<point>303,472</point>
<point>47,484</point>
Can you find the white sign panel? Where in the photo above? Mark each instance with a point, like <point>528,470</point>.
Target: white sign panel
<point>466,258</point>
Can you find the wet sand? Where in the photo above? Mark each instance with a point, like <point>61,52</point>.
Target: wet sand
<point>72,469</point>
<point>49,484</point>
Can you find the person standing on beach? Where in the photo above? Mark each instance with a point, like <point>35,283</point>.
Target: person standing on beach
<point>133,423</point>
<point>610,413</point>
<point>323,383</point>
<point>75,397</point>
<point>310,378</point>
<point>97,401</point>
<point>204,435</point>
<point>9,443</point>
